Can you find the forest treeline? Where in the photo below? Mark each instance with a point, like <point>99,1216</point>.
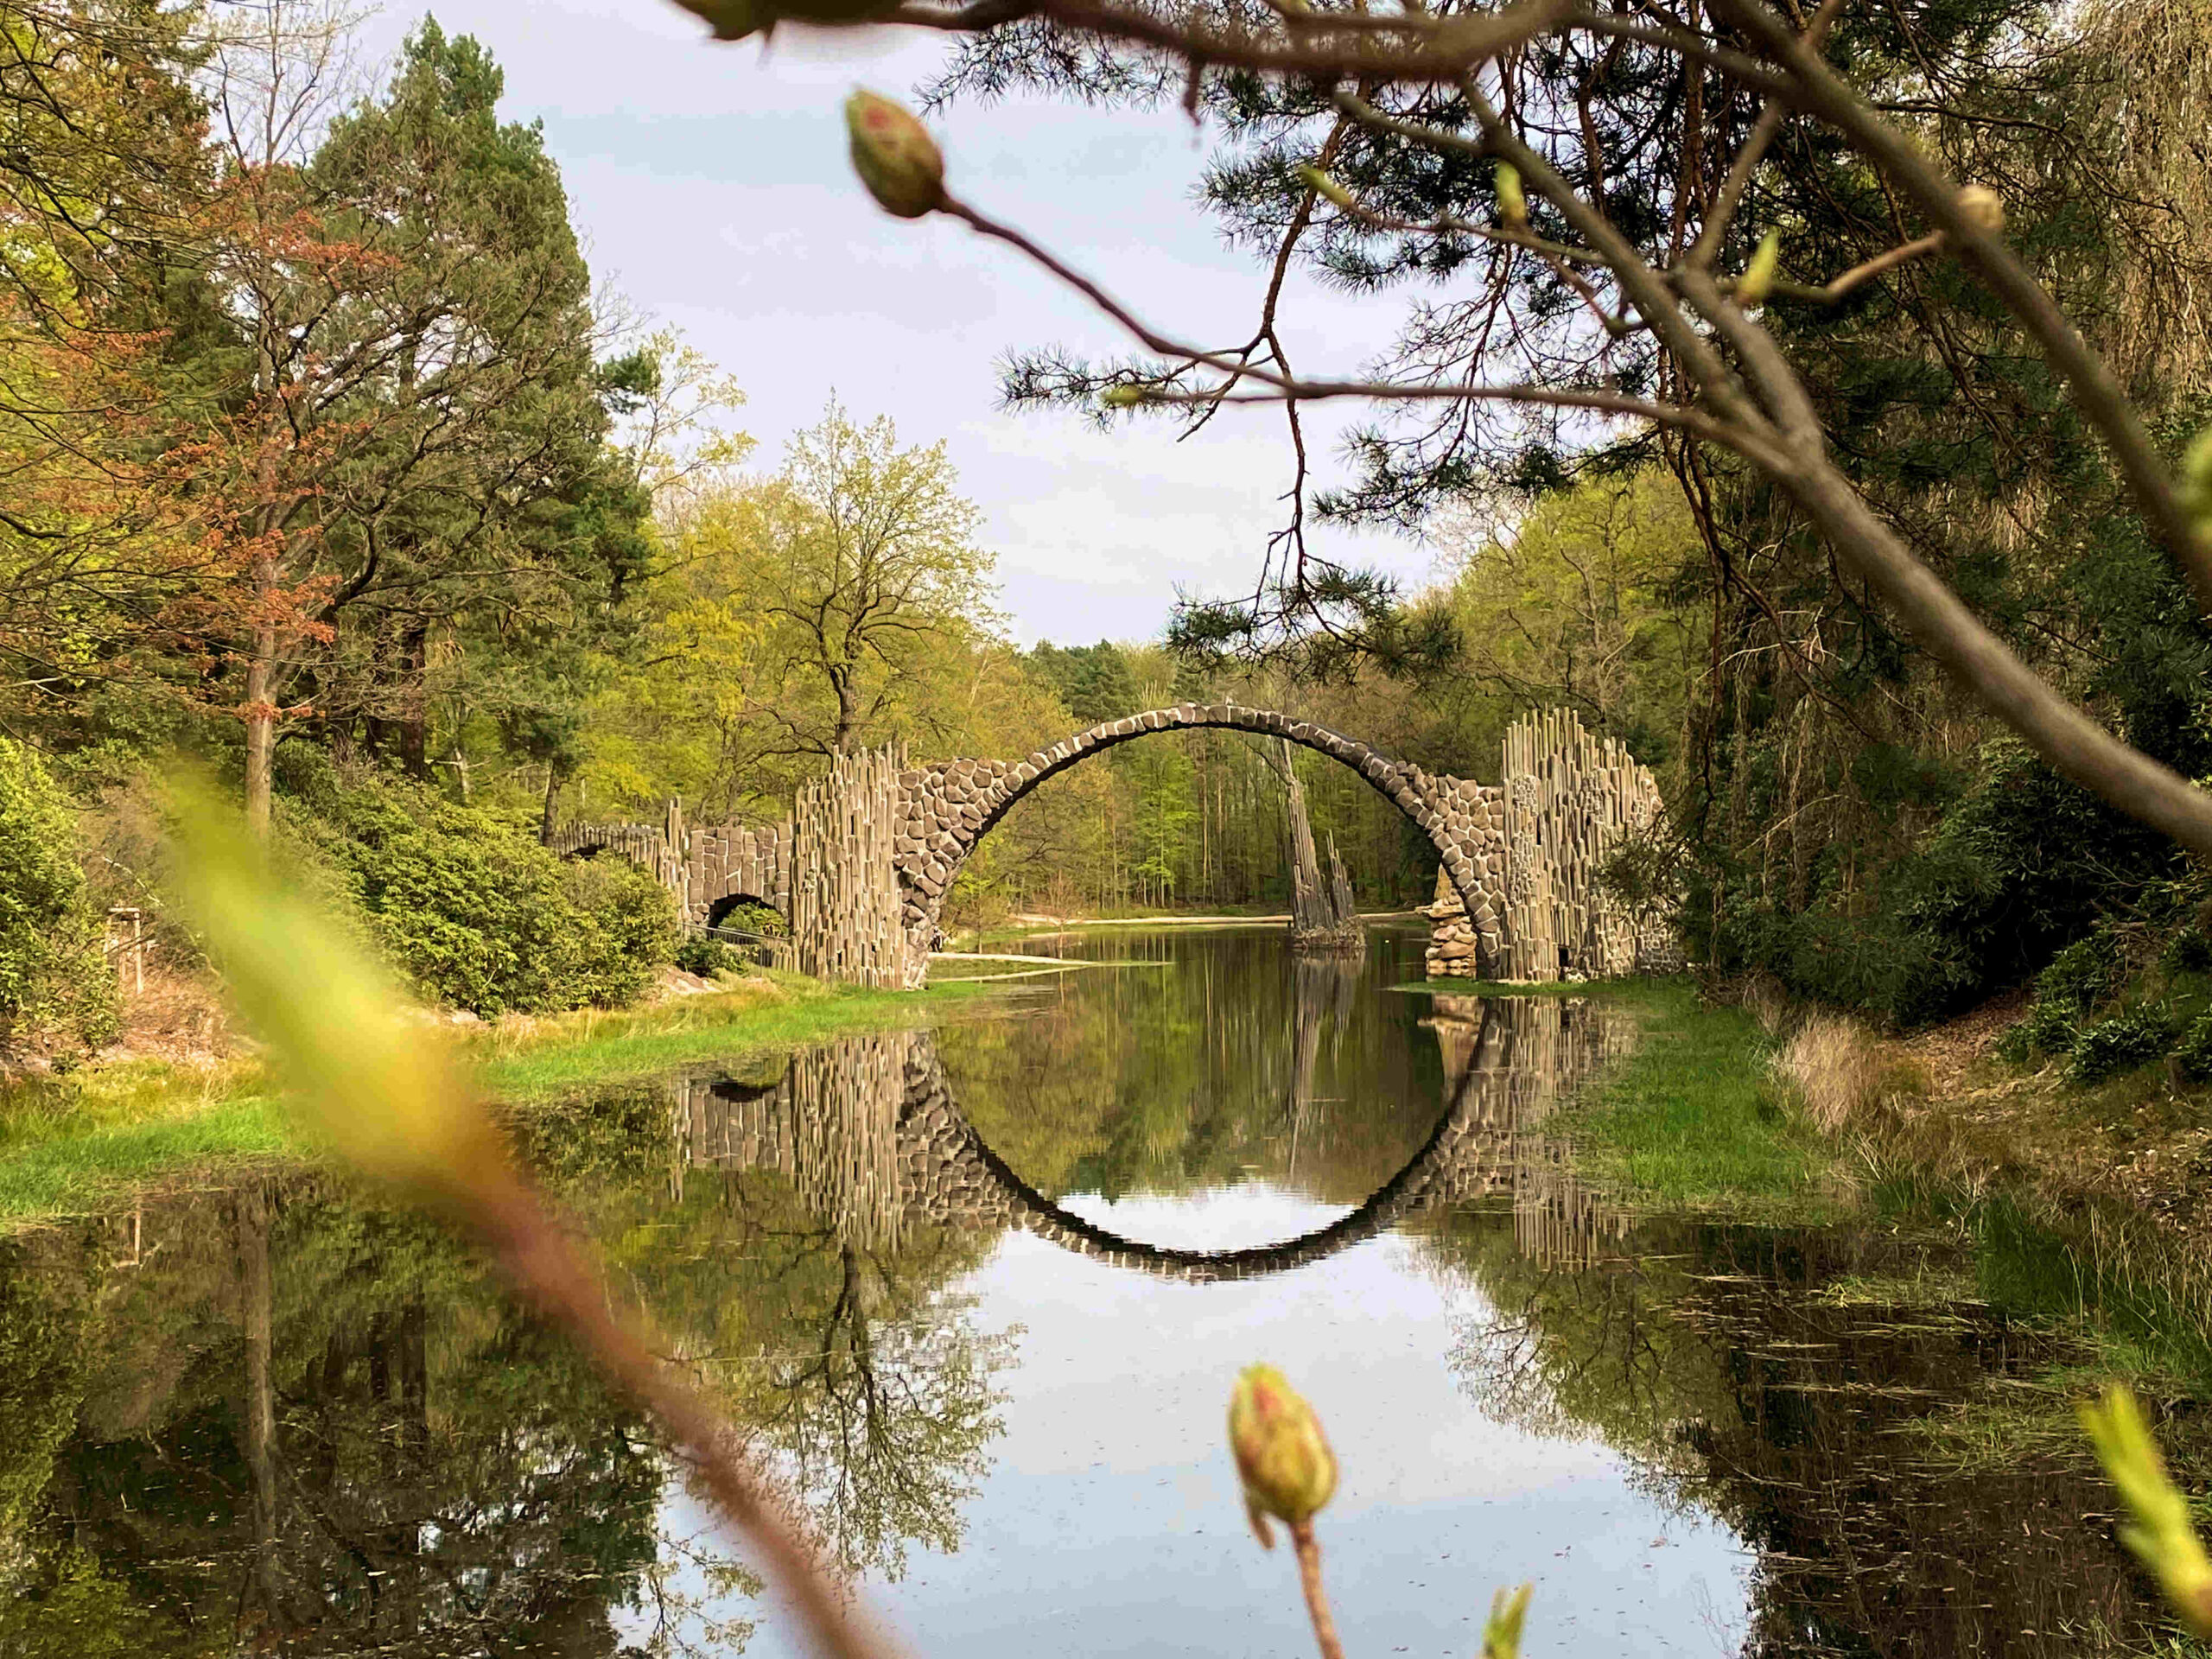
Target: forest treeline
<point>326,464</point>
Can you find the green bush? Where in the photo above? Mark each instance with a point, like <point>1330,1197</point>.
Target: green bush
<point>476,914</point>
<point>707,957</point>
<point>2195,1049</point>
<point>635,926</point>
<point>2121,1044</point>
<point>2083,976</point>
<point>2048,1028</point>
<point>764,920</point>
<point>54,974</point>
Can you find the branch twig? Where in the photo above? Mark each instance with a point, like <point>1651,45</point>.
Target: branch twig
<point>1317,1598</point>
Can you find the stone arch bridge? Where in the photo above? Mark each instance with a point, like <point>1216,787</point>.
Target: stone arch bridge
<point>868,1132</point>
<point>1516,859</point>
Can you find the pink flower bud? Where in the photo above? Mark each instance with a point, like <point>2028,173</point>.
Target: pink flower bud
<point>1282,1457</point>
<point>895,157</point>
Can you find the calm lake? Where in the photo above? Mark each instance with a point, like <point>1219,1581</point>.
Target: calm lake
<point>979,1292</point>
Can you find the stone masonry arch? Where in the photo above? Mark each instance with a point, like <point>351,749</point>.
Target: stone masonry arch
<point>948,807</point>
<point>863,866</point>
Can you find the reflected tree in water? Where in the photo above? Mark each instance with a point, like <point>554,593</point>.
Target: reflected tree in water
<point>289,1424</point>
<point>1779,1380</point>
<point>814,1304</point>
<point>1205,1071</point>
<point>271,1448</point>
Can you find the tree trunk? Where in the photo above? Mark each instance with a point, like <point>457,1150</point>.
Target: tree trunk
<point>1310,910</point>
<point>256,1300</point>
<point>415,701</point>
<point>260,729</point>
<point>547,821</point>
<point>848,716</point>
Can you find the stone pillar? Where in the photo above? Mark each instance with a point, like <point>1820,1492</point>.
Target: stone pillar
<point>846,913</point>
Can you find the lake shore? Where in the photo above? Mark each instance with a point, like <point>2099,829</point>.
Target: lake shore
<point>1695,1119</point>
<point>1711,1113</point>
<point>79,1142</point>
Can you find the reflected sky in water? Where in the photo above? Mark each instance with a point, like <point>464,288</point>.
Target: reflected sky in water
<point>1110,1512</point>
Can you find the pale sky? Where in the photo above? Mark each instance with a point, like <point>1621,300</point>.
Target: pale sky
<point>711,186</point>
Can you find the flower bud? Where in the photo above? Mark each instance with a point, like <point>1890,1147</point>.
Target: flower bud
<point>1282,1458</point>
<point>1322,185</point>
<point>895,157</point>
<point>377,1089</point>
<point>1757,280</point>
<point>1502,1634</point>
<point>1512,201</point>
<point>1984,207</point>
<point>2160,1533</point>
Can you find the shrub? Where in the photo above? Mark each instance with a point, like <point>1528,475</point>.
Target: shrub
<point>2048,1028</point>
<point>764,920</point>
<point>632,929</point>
<point>2194,1052</point>
<point>54,969</point>
<point>476,914</point>
<point>2121,1044</point>
<point>707,957</point>
<point>2085,973</point>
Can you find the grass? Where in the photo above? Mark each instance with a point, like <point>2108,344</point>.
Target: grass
<point>1694,1118</point>
<point>74,1144</point>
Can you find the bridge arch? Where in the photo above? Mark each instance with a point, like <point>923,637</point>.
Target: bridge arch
<point>718,913</point>
<point>948,807</point>
<point>1467,1155</point>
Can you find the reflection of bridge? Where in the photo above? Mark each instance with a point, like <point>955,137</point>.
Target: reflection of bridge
<point>1521,856</point>
<point>868,1130</point>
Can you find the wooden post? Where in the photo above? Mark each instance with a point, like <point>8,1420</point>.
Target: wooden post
<point>126,943</point>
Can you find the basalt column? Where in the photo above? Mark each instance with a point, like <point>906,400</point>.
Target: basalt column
<point>847,918</point>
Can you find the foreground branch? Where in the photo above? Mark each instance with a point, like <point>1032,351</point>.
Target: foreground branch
<point>1317,1597</point>
<point>1815,87</point>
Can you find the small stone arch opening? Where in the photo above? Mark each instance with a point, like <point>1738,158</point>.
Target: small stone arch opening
<point>747,913</point>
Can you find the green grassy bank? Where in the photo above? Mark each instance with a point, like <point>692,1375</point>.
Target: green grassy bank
<point>75,1144</point>
<point>1693,1118</point>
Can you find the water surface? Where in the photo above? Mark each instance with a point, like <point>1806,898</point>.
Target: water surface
<point>977,1294</point>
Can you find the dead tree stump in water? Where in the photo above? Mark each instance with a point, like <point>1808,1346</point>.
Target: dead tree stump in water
<point>1323,916</point>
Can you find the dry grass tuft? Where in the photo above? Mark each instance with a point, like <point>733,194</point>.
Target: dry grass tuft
<point>1839,1070</point>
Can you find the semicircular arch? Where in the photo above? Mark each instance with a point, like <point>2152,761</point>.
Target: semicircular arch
<point>949,807</point>
<point>1448,1166</point>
